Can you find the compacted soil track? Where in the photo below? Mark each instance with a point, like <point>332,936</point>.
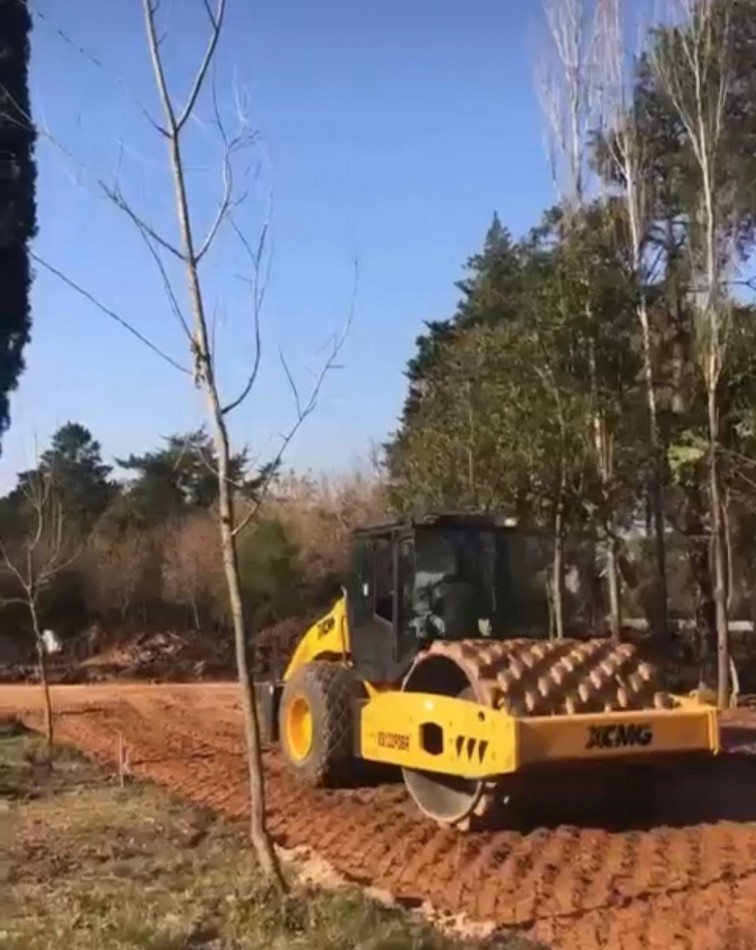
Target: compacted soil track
<point>687,880</point>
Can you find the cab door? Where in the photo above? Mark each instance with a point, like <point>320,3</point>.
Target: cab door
<point>373,607</point>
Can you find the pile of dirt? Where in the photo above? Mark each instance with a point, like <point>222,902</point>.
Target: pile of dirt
<point>274,646</point>
<point>170,656</point>
<point>158,657</point>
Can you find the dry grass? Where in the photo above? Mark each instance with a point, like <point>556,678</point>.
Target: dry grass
<point>90,865</point>
<point>320,514</point>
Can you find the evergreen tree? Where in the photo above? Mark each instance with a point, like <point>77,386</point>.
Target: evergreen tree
<point>18,224</point>
<point>181,477</point>
<point>489,293</point>
<point>78,476</point>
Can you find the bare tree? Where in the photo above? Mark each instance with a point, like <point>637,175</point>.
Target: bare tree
<point>116,565</point>
<point>566,83</point>
<point>691,64</point>
<point>189,252</point>
<point>319,515</point>
<point>32,559</point>
<point>570,94</point>
<point>626,153</point>
<point>191,559</point>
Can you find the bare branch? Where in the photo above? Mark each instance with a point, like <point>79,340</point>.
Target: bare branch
<point>258,298</point>
<point>292,384</point>
<point>113,193</point>
<point>13,601</point>
<point>216,22</point>
<point>13,569</point>
<point>231,145</point>
<point>567,88</point>
<point>154,42</point>
<point>202,349</point>
<point>206,380</point>
<point>692,66</point>
<point>109,313</point>
<point>303,410</point>
<point>120,202</point>
<point>167,284</point>
<point>95,61</point>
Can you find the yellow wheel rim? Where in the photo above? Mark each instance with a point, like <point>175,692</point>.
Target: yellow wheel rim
<point>299,728</point>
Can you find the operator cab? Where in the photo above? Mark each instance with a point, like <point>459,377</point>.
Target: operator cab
<point>451,576</point>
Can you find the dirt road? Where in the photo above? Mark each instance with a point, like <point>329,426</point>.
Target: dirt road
<point>687,881</point>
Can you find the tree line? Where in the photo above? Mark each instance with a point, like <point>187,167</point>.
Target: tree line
<point>597,376</point>
<point>141,551</point>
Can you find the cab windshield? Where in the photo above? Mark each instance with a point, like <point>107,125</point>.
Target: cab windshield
<point>454,593</point>
<point>478,582</point>
<point>473,582</point>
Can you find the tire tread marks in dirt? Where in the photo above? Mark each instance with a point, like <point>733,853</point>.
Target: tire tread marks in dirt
<point>690,883</point>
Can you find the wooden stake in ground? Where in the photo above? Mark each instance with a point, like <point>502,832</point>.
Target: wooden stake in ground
<point>122,753</point>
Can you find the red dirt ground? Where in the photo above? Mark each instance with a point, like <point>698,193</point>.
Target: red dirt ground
<point>688,881</point>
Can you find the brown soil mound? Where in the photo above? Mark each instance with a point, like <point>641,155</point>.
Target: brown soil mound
<point>169,656</point>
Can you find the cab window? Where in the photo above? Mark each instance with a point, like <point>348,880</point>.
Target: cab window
<point>383,586</point>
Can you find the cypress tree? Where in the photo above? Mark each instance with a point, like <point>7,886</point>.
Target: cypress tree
<point>18,217</point>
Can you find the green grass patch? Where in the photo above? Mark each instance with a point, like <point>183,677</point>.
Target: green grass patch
<point>87,864</point>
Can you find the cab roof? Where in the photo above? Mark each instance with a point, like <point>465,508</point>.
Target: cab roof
<point>445,519</point>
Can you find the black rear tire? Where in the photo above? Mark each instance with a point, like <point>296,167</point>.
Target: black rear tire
<point>329,690</point>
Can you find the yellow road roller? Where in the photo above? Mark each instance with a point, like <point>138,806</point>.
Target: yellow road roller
<point>439,659</point>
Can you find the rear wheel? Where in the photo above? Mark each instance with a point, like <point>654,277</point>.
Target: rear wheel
<point>316,722</point>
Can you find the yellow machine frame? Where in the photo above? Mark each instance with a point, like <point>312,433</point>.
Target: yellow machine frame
<point>476,742</point>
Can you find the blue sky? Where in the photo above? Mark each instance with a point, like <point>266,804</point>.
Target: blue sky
<point>393,131</point>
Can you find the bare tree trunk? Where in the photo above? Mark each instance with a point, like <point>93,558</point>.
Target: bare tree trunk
<point>730,554</point>
<point>629,146</point>
<point>205,377</point>
<point>471,447</point>
<point>629,160</point>
<point>42,666</point>
<point>546,373</point>
<point>615,607</point>
<point>657,480</point>
<point>550,605</point>
<point>258,831</point>
<point>720,570</point>
<point>604,460</point>
<point>700,560</point>
<point>695,74</point>
<point>557,571</point>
